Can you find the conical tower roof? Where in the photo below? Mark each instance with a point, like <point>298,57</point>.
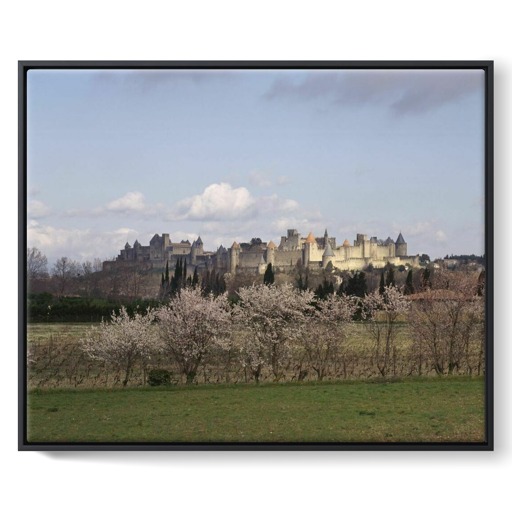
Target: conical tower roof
<point>235,245</point>
<point>310,239</point>
<point>271,245</point>
<point>328,250</point>
<point>199,241</point>
<point>346,243</point>
<point>400,239</point>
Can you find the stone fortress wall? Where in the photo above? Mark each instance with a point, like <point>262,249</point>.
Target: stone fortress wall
<point>254,256</point>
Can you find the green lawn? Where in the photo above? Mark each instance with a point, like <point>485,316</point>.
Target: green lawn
<point>412,410</point>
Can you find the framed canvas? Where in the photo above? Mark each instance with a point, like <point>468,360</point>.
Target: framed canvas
<point>255,255</point>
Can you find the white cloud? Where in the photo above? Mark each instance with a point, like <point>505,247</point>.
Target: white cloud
<point>79,244</point>
<point>440,236</point>
<point>283,180</point>
<point>275,204</point>
<point>130,202</point>
<point>264,179</point>
<point>222,202</point>
<point>221,213</point>
<point>304,225</point>
<point>83,212</point>
<point>33,190</point>
<point>37,209</point>
<point>125,232</point>
<point>219,201</point>
<point>260,179</point>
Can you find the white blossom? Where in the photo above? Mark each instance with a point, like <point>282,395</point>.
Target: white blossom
<point>124,341</point>
<point>326,332</point>
<point>381,314</point>
<point>190,326</point>
<point>273,316</point>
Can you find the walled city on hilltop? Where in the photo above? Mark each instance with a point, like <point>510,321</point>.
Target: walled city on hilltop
<point>254,256</point>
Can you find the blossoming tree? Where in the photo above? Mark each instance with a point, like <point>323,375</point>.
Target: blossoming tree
<point>124,342</point>
<point>327,331</point>
<point>381,313</point>
<point>190,326</point>
<point>446,321</point>
<point>273,317</point>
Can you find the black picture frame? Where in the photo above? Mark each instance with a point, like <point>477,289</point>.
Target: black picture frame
<point>25,66</point>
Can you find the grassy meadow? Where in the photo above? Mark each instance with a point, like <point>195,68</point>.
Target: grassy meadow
<point>74,399</point>
<point>407,410</point>
<point>59,332</point>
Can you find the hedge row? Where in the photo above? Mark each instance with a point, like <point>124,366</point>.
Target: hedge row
<point>44,307</point>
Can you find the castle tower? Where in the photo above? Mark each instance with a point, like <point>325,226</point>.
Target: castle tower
<point>401,246</point>
<point>306,251</point>
<point>234,257</point>
<point>193,253</point>
<point>326,239</point>
<point>390,244</point>
<point>328,256</point>
<point>125,255</point>
<point>196,250</point>
<point>136,250</point>
<point>363,244</point>
<point>199,246</point>
<point>270,253</point>
<point>221,259</point>
<point>346,250</point>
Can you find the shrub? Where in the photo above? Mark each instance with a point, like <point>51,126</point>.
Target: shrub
<point>159,377</point>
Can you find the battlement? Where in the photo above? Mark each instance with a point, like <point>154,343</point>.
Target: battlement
<point>293,250</point>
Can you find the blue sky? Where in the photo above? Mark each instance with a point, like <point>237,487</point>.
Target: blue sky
<point>115,156</point>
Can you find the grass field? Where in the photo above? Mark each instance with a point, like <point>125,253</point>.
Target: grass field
<point>56,332</point>
<point>411,410</point>
<point>62,332</point>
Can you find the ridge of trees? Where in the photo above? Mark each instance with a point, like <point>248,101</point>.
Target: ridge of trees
<point>466,258</point>
<point>80,292</point>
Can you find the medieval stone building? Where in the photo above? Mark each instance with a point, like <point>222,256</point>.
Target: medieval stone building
<point>317,253</point>
<point>254,256</point>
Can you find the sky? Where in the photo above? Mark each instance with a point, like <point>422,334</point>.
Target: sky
<point>115,156</point>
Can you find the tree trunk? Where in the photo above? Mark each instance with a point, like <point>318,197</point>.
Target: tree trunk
<point>127,375</point>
